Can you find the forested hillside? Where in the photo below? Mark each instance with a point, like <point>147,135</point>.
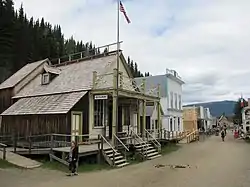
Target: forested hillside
<point>24,40</point>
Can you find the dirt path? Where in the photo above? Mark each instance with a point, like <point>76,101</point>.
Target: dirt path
<point>213,163</point>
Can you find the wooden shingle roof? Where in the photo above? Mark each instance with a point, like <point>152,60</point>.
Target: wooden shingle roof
<point>21,74</point>
<point>73,77</point>
<point>49,104</point>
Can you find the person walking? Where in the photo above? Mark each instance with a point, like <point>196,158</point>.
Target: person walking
<point>73,158</point>
<point>223,135</point>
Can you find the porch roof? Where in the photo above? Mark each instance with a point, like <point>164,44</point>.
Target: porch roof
<point>48,104</point>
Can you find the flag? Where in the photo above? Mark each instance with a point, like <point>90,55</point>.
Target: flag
<point>122,9</point>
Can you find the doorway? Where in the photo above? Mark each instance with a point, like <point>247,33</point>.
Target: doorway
<point>76,125</point>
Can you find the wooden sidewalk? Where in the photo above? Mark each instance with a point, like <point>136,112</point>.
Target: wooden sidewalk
<point>20,161</point>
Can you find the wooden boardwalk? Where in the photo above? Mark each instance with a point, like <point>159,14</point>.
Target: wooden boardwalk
<point>20,161</point>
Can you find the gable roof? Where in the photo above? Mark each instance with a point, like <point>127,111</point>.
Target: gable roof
<point>73,77</point>
<point>21,74</point>
<point>152,82</point>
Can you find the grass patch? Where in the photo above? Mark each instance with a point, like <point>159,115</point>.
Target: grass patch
<point>5,164</point>
<point>81,169</point>
<point>166,149</point>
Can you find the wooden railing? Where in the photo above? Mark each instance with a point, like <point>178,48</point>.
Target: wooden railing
<point>192,136</point>
<point>126,149</point>
<point>149,137</point>
<point>88,53</point>
<point>3,147</point>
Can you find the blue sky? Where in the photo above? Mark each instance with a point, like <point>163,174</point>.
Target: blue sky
<point>206,41</point>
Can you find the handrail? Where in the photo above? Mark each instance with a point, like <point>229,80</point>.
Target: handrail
<point>141,144</point>
<point>4,150</point>
<point>121,142</point>
<point>158,143</point>
<point>102,137</point>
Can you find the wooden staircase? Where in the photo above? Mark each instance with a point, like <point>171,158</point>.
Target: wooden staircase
<point>114,158</point>
<point>148,151</point>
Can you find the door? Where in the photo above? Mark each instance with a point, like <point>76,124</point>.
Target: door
<point>148,123</point>
<point>76,126</point>
<point>120,119</point>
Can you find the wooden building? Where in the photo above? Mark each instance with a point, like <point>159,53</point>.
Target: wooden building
<point>76,97</point>
<point>190,119</point>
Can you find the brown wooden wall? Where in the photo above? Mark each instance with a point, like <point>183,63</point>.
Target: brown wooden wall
<point>83,106</point>
<point>24,126</point>
<point>5,99</point>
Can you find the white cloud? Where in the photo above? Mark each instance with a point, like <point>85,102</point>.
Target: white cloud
<point>206,41</point>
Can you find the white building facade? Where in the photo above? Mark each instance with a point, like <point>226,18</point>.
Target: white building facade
<point>171,99</point>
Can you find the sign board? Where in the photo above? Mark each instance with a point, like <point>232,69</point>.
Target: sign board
<point>101,97</point>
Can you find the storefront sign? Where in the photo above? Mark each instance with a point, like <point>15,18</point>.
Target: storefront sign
<point>101,97</point>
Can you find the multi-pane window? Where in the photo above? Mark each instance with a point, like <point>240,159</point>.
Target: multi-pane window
<point>175,100</point>
<point>171,100</point>
<point>99,113</point>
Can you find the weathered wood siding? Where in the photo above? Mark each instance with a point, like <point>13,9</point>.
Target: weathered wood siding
<point>83,106</point>
<point>24,126</point>
<point>5,99</point>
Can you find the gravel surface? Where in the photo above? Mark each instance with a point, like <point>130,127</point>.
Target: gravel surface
<point>210,163</point>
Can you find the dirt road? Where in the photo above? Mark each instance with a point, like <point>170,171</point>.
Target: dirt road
<point>213,163</point>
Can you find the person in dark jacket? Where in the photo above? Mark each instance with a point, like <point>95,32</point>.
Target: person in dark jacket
<point>73,158</point>
<point>223,135</point>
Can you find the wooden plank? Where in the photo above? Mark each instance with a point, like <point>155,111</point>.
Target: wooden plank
<point>59,159</point>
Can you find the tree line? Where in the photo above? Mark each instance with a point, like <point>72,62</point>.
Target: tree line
<point>24,40</point>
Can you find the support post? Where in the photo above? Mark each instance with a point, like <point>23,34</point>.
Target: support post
<point>114,108</point>
<point>138,115</point>
<point>143,109</point>
<point>159,111</point>
<point>121,80</point>
<point>94,83</point>
<point>91,112</point>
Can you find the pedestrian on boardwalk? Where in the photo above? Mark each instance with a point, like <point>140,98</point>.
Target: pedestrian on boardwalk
<point>73,158</point>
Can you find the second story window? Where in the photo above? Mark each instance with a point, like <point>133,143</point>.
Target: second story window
<point>171,100</point>
<point>179,102</point>
<point>175,101</point>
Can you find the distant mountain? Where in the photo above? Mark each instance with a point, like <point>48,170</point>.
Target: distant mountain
<point>217,108</point>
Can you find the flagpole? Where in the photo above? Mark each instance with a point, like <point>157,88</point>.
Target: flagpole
<point>117,62</point>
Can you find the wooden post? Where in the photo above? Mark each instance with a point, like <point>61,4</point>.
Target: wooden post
<point>94,83</point>
<point>30,145</point>
<point>99,150</point>
<point>143,108</point>
<point>138,115</point>
<point>114,122</point>
<point>159,110</point>
<point>121,79</point>
<point>4,153</point>
<point>91,112</point>
<point>51,146</point>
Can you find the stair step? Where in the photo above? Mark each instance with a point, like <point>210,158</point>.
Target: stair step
<point>119,161</point>
<point>109,151</point>
<point>116,157</point>
<point>153,157</point>
<point>152,154</point>
<point>151,151</point>
<point>122,164</point>
<point>111,154</point>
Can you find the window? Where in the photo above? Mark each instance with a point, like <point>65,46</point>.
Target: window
<point>171,124</point>
<point>171,100</point>
<point>99,113</point>
<point>180,102</point>
<point>179,124</point>
<point>175,101</point>
<point>45,78</point>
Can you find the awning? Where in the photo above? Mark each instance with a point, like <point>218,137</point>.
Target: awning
<point>49,104</point>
